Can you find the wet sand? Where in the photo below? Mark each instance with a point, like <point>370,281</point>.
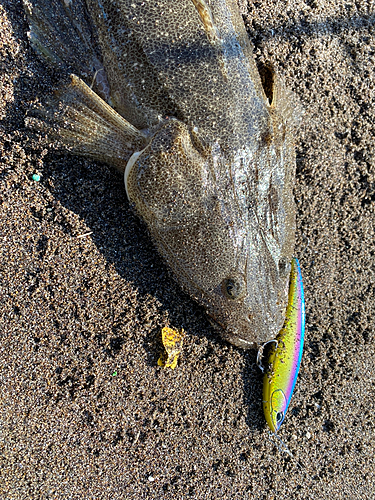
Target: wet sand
<point>85,412</point>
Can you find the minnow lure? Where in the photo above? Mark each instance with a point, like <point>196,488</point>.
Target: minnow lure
<point>285,357</point>
<point>169,93</point>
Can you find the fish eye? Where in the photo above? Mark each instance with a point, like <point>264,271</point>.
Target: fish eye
<point>233,288</point>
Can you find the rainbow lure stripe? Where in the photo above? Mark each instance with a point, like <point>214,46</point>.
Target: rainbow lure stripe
<point>285,357</point>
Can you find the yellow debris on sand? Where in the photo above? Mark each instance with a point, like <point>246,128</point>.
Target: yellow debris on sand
<point>172,341</point>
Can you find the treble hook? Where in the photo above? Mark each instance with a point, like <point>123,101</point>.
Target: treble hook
<point>282,447</point>
<point>260,353</point>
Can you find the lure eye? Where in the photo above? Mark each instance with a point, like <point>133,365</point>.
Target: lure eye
<point>279,417</point>
<point>233,288</point>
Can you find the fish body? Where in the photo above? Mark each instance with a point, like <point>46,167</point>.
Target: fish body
<point>177,104</point>
<point>285,358</point>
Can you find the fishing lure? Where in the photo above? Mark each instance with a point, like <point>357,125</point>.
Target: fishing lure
<point>285,355</point>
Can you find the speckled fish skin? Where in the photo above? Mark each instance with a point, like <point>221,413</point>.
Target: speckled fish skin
<point>285,359</point>
<point>215,163</point>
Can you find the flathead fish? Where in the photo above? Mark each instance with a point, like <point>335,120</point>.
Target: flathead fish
<point>169,93</point>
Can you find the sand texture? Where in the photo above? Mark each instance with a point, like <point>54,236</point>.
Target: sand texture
<point>85,411</point>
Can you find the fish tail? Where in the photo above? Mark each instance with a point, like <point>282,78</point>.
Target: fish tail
<point>80,121</point>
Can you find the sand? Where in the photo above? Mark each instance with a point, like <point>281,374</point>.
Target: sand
<point>85,412</point>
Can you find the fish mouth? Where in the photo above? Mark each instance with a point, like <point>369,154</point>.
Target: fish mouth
<point>232,335</point>
<point>236,337</point>
<point>244,344</point>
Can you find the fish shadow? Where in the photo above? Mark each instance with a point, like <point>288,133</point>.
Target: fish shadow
<point>96,194</point>
<point>252,379</point>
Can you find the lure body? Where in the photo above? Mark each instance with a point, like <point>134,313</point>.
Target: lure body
<point>285,358</point>
<point>168,92</point>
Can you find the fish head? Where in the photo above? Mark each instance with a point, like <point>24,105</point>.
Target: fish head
<point>249,309</point>
<point>211,229</point>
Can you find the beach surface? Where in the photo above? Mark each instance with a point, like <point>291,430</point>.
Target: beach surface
<point>85,410</point>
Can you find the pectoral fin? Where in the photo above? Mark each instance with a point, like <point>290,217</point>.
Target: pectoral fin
<point>81,121</point>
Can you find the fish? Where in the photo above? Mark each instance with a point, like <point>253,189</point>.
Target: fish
<point>285,355</point>
<point>169,93</point>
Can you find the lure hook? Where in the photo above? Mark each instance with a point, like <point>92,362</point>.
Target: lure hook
<point>282,447</point>
<point>260,353</point>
